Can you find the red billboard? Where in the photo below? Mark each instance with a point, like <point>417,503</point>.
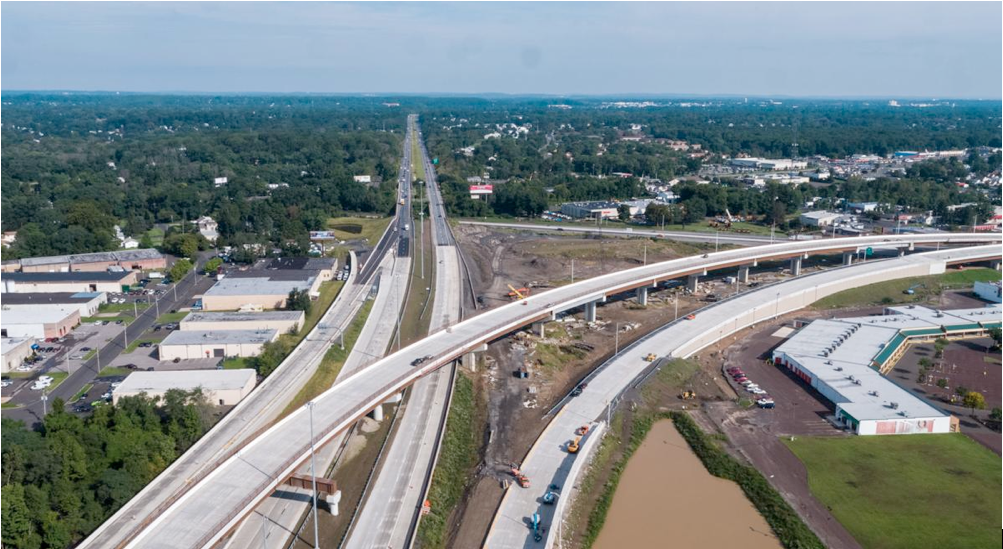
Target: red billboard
<point>481,189</point>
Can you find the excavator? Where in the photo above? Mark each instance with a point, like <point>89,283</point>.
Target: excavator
<point>522,479</point>
<point>518,293</point>
<point>688,395</point>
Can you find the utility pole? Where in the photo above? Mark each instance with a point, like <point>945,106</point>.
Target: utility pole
<point>676,301</point>
<point>716,235</point>
<point>45,398</point>
<point>313,479</point>
<point>645,253</point>
<point>616,340</point>
<point>572,271</point>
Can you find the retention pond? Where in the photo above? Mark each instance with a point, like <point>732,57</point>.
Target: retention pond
<point>666,498</point>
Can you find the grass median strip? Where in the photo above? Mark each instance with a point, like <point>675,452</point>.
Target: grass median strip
<point>457,460</point>
<point>330,366</point>
<point>896,291</point>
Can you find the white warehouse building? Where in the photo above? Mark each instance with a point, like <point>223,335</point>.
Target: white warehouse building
<point>844,359</point>
<point>222,387</point>
<point>282,321</point>
<point>192,344</point>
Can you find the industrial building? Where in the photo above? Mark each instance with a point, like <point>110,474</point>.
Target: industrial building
<point>844,359</point>
<point>192,344</point>
<point>776,164</point>
<point>68,282</point>
<point>41,324</point>
<point>268,288</point>
<point>221,387</point>
<point>820,218</point>
<point>15,350</point>
<point>85,303</point>
<point>280,321</point>
<point>989,291</point>
<point>590,210</point>
<point>136,260</point>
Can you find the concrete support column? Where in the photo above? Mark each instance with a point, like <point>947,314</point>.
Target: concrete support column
<point>848,258</point>
<point>469,361</point>
<point>590,311</point>
<point>538,327</point>
<point>796,266</point>
<point>902,252</point>
<point>378,413</point>
<point>743,274</point>
<point>642,296</point>
<point>395,398</point>
<point>691,282</point>
<point>332,502</point>
<point>995,265</point>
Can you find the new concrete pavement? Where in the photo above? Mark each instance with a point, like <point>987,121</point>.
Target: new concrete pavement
<point>548,462</point>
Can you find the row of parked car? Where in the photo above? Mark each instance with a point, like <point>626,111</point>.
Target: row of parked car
<point>342,274</point>
<point>763,400</point>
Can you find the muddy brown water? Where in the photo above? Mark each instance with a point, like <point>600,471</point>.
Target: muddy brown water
<point>666,498</point>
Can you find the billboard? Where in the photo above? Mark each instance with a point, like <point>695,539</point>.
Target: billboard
<point>322,235</point>
<point>481,189</point>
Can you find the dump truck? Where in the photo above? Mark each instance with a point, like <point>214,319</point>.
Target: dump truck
<point>522,479</point>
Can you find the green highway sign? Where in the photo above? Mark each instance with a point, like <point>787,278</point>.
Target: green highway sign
<point>869,252</point>
<point>435,161</point>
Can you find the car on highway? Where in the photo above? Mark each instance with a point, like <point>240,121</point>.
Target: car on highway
<point>578,390</point>
<point>420,360</point>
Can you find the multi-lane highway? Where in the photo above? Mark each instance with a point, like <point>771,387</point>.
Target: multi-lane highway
<point>548,463</point>
<point>211,505</point>
<point>393,502</point>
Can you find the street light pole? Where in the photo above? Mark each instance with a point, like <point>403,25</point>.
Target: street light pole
<point>616,340</point>
<point>313,479</point>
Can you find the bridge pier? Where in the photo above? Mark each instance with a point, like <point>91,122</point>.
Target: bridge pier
<point>539,328</point>
<point>642,296</point>
<point>848,258</point>
<point>743,274</point>
<point>691,282</point>
<point>590,311</point>
<point>332,502</point>
<point>901,251</point>
<point>469,359</point>
<point>395,398</point>
<point>378,413</point>
<point>995,265</point>
<point>796,266</point>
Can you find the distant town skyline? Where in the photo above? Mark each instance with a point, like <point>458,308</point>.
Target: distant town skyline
<point>946,50</point>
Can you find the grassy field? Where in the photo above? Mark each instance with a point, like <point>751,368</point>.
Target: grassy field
<point>90,354</point>
<point>156,236</point>
<point>457,460</point>
<point>122,308</point>
<point>170,318</point>
<point>57,378</point>
<point>113,371</point>
<point>369,229</point>
<point>9,405</point>
<point>893,291</point>
<point>703,227</point>
<point>334,359</point>
<point>417,316</point>
<point>235,363</point>
<point>896,492</point>
<point>419,166</point>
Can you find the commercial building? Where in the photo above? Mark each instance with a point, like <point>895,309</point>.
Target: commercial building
<point>820,218</point>
<point>68,282</point>
<point>776,164</point>
<point>191,344</point>
<point>323,267</point>
<point>590,210</point>
<point>268,287</point>
<point>844,359</point>
<point>221,387</point>
<point>989,291</point>
<point>15,350</point>
<point>137,260</point>
<point>40,324</point>
<point>85,303</point>
<point>280,321</point>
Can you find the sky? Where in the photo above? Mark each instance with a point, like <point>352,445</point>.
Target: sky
<point>900,49</point>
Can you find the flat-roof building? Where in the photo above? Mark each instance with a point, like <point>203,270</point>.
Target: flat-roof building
<point>192,344</point>
<point>775,164</point>
<point>15,350</point>
<point>820,218</point>
<point>280,321</point>
<point>265,288</point>
<point>844,359</point>
<point>590,210</point>
<point>40,324</point>
<point>68,282</point>
<point>989,291</point>
<point>85,303</point>
<point>222,387</point>
<point>138,259</point>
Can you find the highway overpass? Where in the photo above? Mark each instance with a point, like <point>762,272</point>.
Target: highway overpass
<point>215,500</point>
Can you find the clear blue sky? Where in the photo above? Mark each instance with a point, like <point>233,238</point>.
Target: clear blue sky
<point>904,49</point>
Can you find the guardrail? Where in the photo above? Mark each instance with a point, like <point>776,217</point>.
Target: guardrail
<point>662,271</point>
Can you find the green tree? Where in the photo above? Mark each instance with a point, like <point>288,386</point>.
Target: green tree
<point>212,265</point>
<point>995,414</point>
<point>942,383</point>
<point>180,269</point>
<point>695,210</point>
<point>997,335</point>
<point>974,400</point>
<point>939,345</point>
<point>623,212</point>
<point>17,527</point>
<point>298,300</point>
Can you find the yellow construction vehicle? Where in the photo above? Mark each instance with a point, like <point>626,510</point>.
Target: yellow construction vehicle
<point>651,357</point>
<point>573,445</point>
<point>688,395</point>
<point>519,293</point>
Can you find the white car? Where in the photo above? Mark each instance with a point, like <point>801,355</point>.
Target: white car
<point>5,383</point>
<point>45,379</point>
<point>747,382</point>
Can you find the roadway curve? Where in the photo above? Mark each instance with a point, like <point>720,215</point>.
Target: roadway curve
<point>548,463</point>
<point>210,506</point>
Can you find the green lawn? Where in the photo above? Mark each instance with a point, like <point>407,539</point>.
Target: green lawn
<point>903,491</point>
<point>81,392</point>
<point>90,354</point>
<point>171,318</point>
<point>121,308</point>
<point>417,314</point>
<point>893,291</point>
<point>156,236</point>
<point>57,378</point>
<point>235,363</point>
<point>334,359</point>
<point>419,166</point>
<point>369,229</point>
<point>701,227</point>
<point>9,405</point>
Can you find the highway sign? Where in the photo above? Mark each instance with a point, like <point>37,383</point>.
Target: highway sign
<point>869,252</point>
<point>435,161</point>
